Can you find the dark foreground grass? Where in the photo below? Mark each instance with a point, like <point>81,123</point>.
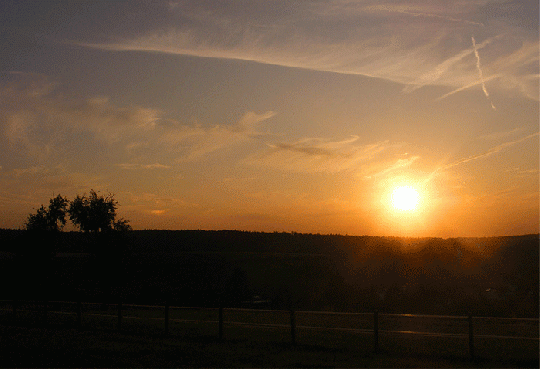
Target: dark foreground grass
<point>52,347</point>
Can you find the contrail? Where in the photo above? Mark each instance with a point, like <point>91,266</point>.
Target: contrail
<point>396,9</point>
<point>466,87</point>
<point>415,14</point>
<point>492,151</point>
<point>480,74</point>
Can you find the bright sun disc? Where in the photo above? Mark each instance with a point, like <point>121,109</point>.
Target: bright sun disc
<point>405,198</point>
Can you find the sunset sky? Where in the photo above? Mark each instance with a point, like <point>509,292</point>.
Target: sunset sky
<point>275,115</point>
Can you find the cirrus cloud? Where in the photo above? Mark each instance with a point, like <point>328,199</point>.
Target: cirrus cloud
<point>41,125</point>
<point>323,155</point>
<point>413,43</point>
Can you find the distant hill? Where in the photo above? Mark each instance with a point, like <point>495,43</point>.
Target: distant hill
<point>487,276</point>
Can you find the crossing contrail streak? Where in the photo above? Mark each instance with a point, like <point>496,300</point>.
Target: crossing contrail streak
<point>480,74</point>
<point>416,14</point>
<point>466,87</point>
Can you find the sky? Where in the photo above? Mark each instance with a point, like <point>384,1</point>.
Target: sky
<point>267,115</point>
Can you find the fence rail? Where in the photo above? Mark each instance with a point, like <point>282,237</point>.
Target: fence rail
<point>373,323</point>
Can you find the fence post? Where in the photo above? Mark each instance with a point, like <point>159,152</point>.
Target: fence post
<point>471,337</point>
<point>221,322</point>
<point>166,317</point>
<point>45,307</point>
<point>376,331</point>
<point>120,315</point>
<point>79,313</point>
<point>15,302</point>
<point>293,327</point>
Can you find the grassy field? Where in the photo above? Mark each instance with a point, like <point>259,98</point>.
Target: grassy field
<point>41,347</point>
<point>254,338</point>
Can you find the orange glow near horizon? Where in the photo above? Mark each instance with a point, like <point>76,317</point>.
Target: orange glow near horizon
<point>405,207</point>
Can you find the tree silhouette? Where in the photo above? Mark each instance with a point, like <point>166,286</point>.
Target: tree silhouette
<point>95,213</point>
<point>52,218</point>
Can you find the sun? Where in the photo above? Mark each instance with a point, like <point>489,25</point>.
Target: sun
<point>405,198</point>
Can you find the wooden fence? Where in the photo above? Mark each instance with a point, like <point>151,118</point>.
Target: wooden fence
<point>374,323</point>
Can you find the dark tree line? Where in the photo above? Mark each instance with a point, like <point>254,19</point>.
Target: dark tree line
<point>96,216</point>
<point>92,213</point>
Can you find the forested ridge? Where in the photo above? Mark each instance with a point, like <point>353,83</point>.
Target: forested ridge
<point>486,276</point>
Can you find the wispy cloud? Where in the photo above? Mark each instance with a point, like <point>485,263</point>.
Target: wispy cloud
<point>323,155</point>
<point>43,126</point>
<point>52,144</point>
<point>404,42</point>
<point>193,143</point>
<point>316,151</point>
<point>405,9</point>
<point>392,167</point>
<point>523,173</point>
<point>132,166</point>
<point>502,134</point>
<point>35,184</point>
<point>445,67</point>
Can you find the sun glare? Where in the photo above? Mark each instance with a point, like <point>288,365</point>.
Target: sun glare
<point>405,198</point>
